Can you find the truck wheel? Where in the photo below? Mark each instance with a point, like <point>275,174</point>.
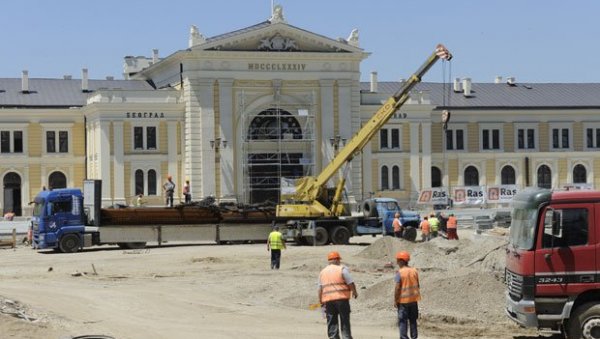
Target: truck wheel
<point>369,209</point>
<point>322,237</point>
<point>410,234</point>
<point>340,235</point>
<point>585,322</point>
<point>69,243</point>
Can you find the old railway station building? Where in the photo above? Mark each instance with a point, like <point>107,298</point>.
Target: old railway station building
<point>237,112</point>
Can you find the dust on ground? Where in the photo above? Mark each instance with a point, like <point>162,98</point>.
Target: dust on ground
<point>208,291</point>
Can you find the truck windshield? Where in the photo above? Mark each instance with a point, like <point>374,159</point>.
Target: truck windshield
<point>522,228</point>
<point>38,209</point>
<point>391,206</point>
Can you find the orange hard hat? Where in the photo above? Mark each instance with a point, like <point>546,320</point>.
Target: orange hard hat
<point>403,255</point>
<point>333,255</point>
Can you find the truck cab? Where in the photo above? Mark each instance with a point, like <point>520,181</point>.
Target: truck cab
<point>379,214</point>
<point>58,220</point>
<point>552,262</point>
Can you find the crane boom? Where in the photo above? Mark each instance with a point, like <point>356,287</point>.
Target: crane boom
<point>305,201</point>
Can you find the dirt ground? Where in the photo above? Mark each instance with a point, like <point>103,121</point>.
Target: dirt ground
<point>229,291</point>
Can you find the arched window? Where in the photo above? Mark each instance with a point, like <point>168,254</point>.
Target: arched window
<point>385,182</point>
<point>151,182</point>
<point>396,178</point>
<point>57,180</point>
<point>471,176</point>
<point>139,182</point>
<point>12,193</point>
<point>579,174</point>
<point>436,177</point>
<point>274,123</point>
<point>508,175</point>
<point>544,179</point>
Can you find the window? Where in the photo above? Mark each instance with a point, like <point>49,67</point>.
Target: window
<point>471,176</point>
<point>389,138</point>
<point>507,175</point>
<point>151,182</point>
<point>436,177</point>
<point>490,139</point>
<point>579,174</point>
<point>592,136</point>
<point>54,138</point>
<point>395,177</point>
<point>11,141</point>
<point>574,229</point>
<point>139,182</point>
<point>145,141</point>
<point>525,138</point>
<point>455,139</point>
<point>560,137</point>
<point>145,182</point>
<point>385,185</point>
<point>57,180</point>
<point>383,138</point>
<point>544,177</point>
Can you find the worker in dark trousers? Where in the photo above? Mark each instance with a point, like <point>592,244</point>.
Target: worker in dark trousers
<point>336,287</point>
<point>275,244</point>
<point>406,296</point>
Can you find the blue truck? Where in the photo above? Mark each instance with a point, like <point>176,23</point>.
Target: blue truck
<point>376,219</point>
<point>70,219</point>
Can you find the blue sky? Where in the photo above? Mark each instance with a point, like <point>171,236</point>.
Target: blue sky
<point>534,41</point>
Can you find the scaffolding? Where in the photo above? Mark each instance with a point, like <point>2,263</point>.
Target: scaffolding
<point>278,141</point>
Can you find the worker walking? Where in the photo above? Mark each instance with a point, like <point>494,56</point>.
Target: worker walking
<point>451,226</point>
<point>406,296</point>
<point>275,244</point>
<point>425,230</point>
<point>398,229</point>
<point>169,188</point>
<point>336,287</point>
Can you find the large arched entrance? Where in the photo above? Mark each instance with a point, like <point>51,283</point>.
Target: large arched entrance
<point>277,130</point>
<point>12,193</point>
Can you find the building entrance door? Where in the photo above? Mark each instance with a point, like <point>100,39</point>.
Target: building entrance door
<point>265,171</point>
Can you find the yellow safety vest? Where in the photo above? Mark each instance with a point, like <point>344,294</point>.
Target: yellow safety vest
<point>276,240</point>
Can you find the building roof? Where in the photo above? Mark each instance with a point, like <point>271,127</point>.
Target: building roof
<point>58,92</point>
<point>502,95</point>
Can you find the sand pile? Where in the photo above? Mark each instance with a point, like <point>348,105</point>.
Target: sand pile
<point>461,281</point>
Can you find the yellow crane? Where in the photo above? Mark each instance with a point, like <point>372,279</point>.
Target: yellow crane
<point>311,198</point>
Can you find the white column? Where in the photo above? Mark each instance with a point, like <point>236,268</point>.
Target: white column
<point>104,160</point>
<point>326,120</point>
<point>415,171</point>
<point>118,163</point>
<point>226,133</point>
<point>345,126</point>
<point>426,154</point>
<point>172,157</point>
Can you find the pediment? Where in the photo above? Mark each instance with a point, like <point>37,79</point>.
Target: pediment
<point>277,37</point>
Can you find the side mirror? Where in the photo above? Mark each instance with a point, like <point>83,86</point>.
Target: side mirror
<point>553,222</point>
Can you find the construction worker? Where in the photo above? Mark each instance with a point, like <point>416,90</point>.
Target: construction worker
<point>275,244</point>
<point>434,224</point>
<point>336,287</point>
<point>397,226</point>
<point>425,229</point>
<point>169,188</point>
<point>187,193</point>
<point>451,226</point>
<point>406,296</point>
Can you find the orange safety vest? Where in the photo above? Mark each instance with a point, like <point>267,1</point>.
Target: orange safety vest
<point>409,284</point>
<point>425,227</point>
<point>397,225</point>
<point>333,285</point>
<point>451,223</point>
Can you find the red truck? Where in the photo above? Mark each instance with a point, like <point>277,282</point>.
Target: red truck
<point>552,262</point>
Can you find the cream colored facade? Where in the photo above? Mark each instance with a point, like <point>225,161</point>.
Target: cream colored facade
<point>237,112</point>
